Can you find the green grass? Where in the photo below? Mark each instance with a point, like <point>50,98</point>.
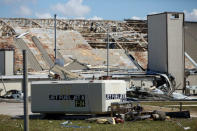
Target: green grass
<point>8,124</point>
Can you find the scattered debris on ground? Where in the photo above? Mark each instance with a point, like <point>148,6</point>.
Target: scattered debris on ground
<point>155,94</point>
<point>102,120</point>
<point>129,111</point>
<point>69,124</point>
<point>13,94</point>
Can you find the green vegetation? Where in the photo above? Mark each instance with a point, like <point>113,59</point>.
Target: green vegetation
<point>9,124</point>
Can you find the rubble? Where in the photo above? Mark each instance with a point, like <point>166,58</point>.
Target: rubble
<point>13,94</point>
<point>132,112</point>
<point>185,128</point>
<point>102,120</point>
<point>82,48</point>
<point>155,94</point>
<point>69,124</point>
<point>159,115</point>
<point>180,114</point>
<point>74,36</point>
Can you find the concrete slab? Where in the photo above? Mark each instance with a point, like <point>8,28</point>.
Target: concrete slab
<point>12,109</point>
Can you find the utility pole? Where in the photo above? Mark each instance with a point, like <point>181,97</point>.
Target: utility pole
<point>25,91</point>
<point>108,50</point>
<point>55,49</point>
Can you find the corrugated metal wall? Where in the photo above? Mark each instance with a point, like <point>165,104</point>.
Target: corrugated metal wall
<point>191,39</point>
<point>32,62</point>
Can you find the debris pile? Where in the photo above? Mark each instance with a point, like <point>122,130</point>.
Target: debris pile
<point>69,124</point>
<point>128,111</point>
<point>13,94</point>
<point>155,94</point>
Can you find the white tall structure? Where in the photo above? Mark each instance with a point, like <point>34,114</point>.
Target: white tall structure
<point>166,45</point>
<point>7,62</point>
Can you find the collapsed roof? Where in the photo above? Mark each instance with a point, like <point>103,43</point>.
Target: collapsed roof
<point>83,40</point>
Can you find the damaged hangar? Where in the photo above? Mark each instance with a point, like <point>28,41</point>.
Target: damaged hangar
<point>81,47</point>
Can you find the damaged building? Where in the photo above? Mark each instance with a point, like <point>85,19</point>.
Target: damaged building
<point>81,50</point>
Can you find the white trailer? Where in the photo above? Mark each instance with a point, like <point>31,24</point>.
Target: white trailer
<point>78,96</point>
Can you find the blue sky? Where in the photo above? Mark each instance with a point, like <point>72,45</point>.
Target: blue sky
<point>96,9</point>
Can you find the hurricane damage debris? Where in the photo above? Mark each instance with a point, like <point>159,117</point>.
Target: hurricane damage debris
<point>69,124</point>
<point>58,72</point>
<point>13,94</point>
<point>81,53</point>
<point>154,93</point>
<point>133,111</point>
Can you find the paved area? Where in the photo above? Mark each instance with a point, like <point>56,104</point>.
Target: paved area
<point>12,109</point>
<point>16,109</point>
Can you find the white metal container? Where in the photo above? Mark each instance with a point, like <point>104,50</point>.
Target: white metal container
<point>78,96</point>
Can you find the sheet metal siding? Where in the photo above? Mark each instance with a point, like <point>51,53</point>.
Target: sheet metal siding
<point>157,48</point>
<point>75,66</point>
<point>72,44</point>
<point>2,65</point>
<point>191,39</point>
<point>44,53</point>
<point>97,57</point>
<point>59,56</point>
<point>9,62</point>
<point>32,62</point>
<point>176,49</point>
<point>192,79</point>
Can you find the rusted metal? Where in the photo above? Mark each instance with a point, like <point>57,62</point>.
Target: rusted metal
<point>5,29</point>
<point>84,40</point>
<point>141,57</point>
